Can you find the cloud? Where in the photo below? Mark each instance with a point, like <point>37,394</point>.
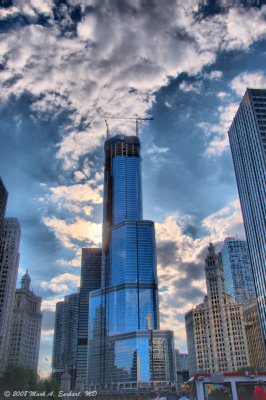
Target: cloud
<point>190,87</point>
<point>81,230</point>
<point>62,283</point>
<point>253,80</point>
<point>77,193</point>
<point>218,132</point>
<point>112,62</point>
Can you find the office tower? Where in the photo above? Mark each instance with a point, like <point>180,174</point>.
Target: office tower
<point>91,261</point>
<point>9,260</point>
<point>182,369</point>
<point>247,137</point>
<point>25,335</point>
<point>238,278</point>
<point>65,344</point>
<point>124,311</point>
<point>3,202</point>
<point>215,328</point>
<point>163,353</point>
<point>254,336</point>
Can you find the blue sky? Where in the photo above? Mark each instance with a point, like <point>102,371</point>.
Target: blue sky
<point>65,66</point>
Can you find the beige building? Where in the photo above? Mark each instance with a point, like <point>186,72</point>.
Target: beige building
<point>26,327</point>
<point>254,336</point>
<point>215,329</point>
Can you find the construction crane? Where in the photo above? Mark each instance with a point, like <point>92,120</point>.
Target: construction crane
<point>137,119</point>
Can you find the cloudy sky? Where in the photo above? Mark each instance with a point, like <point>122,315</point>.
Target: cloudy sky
<point>64,65</point>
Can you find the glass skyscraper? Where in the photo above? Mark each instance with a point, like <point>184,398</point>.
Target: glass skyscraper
<point>91,260</point>
<point>247,137</point>
<point>238,278</point>
<point>124,312</point>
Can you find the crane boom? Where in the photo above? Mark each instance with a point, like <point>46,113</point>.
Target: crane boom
<point>137,119</point>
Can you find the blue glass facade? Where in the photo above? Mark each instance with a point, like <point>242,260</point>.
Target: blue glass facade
<point>247,137</point>
<point>238,278</point>
<point>124,312</point>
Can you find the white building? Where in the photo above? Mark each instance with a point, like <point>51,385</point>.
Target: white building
<point>216,336</point>
<point>26,327</point>
<point>9,260</point>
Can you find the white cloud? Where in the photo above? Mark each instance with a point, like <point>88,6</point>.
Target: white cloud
<point>190,87</point>
<point>62,283</point>
<point>253,80</point>
<point>116,63</point>
<point>69,232</point>
<point>218,132</point>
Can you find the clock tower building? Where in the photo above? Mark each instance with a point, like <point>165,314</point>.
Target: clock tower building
<point>215,328</point>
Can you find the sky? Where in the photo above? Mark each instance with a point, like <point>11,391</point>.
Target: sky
<point>64,67</point>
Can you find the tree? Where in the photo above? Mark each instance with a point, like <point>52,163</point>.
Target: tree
<point>19,378</point>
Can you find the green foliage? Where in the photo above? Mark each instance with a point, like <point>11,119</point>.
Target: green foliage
<point>251,369</point>
<point>19,378</point>
<point>49,386</point>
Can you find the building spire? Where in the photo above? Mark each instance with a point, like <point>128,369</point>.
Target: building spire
<point>25,281</point>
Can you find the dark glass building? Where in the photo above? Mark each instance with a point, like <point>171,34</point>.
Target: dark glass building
<point>91,261</point>
<point>124,312</point>
<point>247,137</point>
<point>65,343</point>
<point>3,202</point>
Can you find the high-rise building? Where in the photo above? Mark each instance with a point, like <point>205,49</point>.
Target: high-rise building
<point>238,278</point>
<point>91,261</point>
<point>65,344</point>
<point>124,311</point>
<point>9,260</point>
<point>254,336</point>
<point>3,202</point>
<point>247,137</point>
<point>182,368</point>
<point>216,336</point>
<point>26,327</point>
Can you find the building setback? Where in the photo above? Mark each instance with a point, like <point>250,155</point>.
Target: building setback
<point>91,262</point>
<point>9,261</point>
<point>239,282</point>
<point>215,329</point>
<point>247,136</point>
<point>65,343</point>
<point>25,335</point>
<point>124,311</point>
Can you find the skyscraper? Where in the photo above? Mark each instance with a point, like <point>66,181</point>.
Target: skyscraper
<point>124,311</point>
<point>91,261</point>
<point>216,336</point>
<point>26,327</point>
<point>238,278</point>
<point>66,338</point>
<point>247,137</point>
<point>9,260</point>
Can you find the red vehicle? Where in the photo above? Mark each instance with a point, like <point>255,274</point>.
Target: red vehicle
<point>224,386</point>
